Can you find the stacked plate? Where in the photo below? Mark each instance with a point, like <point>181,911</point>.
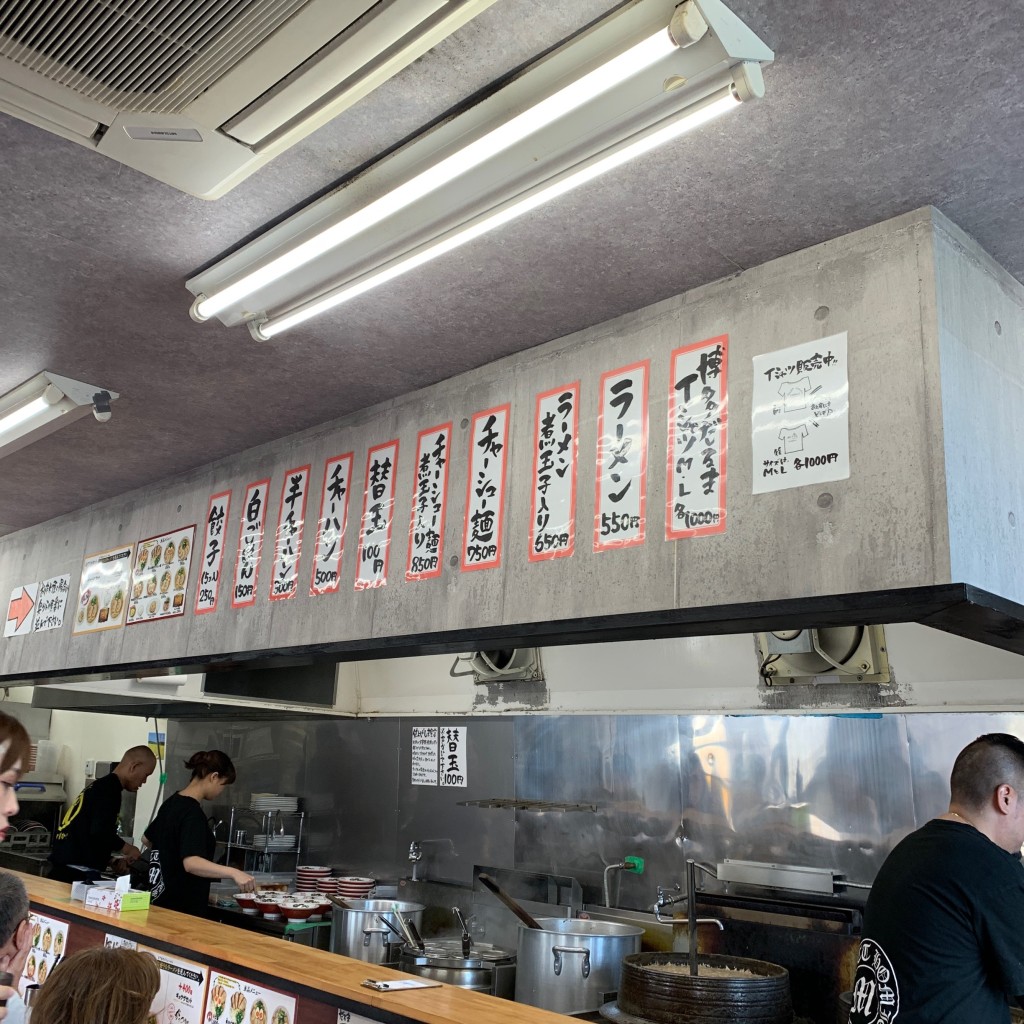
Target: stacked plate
<point>354,887</point>
<point>274,842</point>
<point>313,878</point>
<point>274,802</point>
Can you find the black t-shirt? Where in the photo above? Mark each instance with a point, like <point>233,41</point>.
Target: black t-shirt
<point>943,932</point>
<point>87,834</point>
<point>181,830</point>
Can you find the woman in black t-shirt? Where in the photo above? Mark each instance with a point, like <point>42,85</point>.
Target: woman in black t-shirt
<point>182,843</point>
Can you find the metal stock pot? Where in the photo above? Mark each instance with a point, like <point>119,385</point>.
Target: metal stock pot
<point>359,933</point>
<point>569,965</point>
<point>485,968</point>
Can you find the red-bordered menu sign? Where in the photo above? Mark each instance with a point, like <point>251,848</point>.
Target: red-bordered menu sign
<point>208,587</point>
<point>485,489</point>
<point>555,444</point>
<point>292,515</point>
<point>378,516</point>
<point>250,544</point>
<point>698,397</point>
<point>429,503</point>
<point>330,534</point>
<point>621,489</point>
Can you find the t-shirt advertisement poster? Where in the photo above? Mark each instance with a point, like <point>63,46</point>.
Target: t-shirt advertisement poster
<point>234,1001</point>
<point>103,591</point>
<point>49,940</point>
<point>801,415</point>
<point>160,576</point>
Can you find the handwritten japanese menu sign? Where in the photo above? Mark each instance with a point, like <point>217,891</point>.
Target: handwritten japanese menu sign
<point>697,400</point>
<point>182,993</point>
<point>378,516</point>
<point>208,588</point>
<point>619,507</point>
<point>49,940</point>
<point>485,489</point>
<point>424,755</point>
<point>160,576</point>
<point>234,1001</point>
<point>555,444</point>
<point>453,755</point>
<point>103,590</point>
<point>429,501</point>
<point>250,544</point>
<point>330,536</point>
<point>37,607</point>
<point>801,415</point>
<point>291,517</point>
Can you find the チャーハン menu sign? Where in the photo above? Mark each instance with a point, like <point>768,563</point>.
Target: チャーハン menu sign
<point>622,458</point>
<point>485,489</point>
<point>208,587</point>
<point>291,518</point>
<point>801,415</point>
<point>103,590</point>
<point>250,544</point>
<point>231,1000</point>
<point>160,576</point>
<point>378,515</point>
<point>429,502</point>
<point>330,535</point>
<point>553,504</point>
<point>697,400</point>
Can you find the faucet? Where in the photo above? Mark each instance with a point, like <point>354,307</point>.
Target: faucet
<point>666,899</point>
<point>416,852</point>
<point>634,864</point>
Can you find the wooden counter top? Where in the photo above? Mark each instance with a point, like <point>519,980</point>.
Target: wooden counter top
<point>313,970</point>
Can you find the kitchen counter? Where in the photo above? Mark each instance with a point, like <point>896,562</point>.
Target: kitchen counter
<point>323,982</point>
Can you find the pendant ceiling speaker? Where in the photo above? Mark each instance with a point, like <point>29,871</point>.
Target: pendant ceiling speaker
<point>833,654</point>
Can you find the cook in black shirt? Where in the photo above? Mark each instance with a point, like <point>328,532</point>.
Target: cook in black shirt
<point>87,835</point>
<point>943,939</point>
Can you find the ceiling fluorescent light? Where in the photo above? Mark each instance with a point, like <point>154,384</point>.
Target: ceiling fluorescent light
<point>623,88</point>
<point>43,404</point>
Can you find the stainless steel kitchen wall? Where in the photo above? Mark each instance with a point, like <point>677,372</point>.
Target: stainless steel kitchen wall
<point>826,791</point>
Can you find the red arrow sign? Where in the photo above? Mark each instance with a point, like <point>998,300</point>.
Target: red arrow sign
<point>20,608</point>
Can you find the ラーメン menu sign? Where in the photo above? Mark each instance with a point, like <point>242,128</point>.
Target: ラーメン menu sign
<point>103,590</point>
<point>160,576</point>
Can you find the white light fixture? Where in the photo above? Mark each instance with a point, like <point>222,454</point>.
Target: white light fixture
<point>627,85</point>
<point>43,404</point>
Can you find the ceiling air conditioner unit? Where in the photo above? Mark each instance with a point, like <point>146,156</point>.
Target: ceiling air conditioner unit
<point>201,95</point>
<point>500,666</point>
<point>836,654</point>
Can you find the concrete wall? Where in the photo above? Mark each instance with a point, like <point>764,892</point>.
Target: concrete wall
<point>878,530</point>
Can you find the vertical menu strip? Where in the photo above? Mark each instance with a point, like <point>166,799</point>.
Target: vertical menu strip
<point>250,544</point>
<point>429,503</point>
<point>208,588</point>
<point>330,536</point>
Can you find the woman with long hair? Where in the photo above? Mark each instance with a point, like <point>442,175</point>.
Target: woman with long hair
<point>182,843</point>
<point>99,986</point>
<point>15,750</point>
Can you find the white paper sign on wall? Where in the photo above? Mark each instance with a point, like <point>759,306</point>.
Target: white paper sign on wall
<point>424,755</point>
<point>429,503</point>
<point>553,502</point>
<point>454,768</point>
<point>208,587</point>
<point>330,536</point>
<point>485,489</point>
<point>250,544</point>
<point>290,521</point>
<point>378,516</point>
<point>801,415</point>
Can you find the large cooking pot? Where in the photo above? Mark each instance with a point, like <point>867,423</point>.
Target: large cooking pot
<point>359,933</point>
<point>569,965</point>
<point>485,968</point>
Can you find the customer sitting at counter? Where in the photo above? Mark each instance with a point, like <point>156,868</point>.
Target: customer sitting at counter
<point>181,843</point>
<point>15,750</point>
<point>15,940</point>
<point>99,986</point>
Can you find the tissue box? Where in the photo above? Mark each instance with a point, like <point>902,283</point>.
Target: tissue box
<point>119,900</point>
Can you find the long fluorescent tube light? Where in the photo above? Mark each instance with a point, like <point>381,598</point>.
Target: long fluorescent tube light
<point>716,105</point>
<point>632,86</point>
<point>44,403</point>
<point>583,90</point>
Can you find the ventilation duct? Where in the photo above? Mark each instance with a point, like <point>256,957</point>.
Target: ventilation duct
<point>201,95</point>
<point>837,654</point>
<point>505,665</point>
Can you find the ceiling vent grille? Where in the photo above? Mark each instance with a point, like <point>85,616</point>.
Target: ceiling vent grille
<point>140,55</point>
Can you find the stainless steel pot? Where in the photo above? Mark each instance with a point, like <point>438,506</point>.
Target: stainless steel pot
<point>486,969</point>
<point>571,966</point>
<point>358,932</point>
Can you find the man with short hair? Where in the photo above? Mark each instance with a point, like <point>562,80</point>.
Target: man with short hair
<point>87,835</point>
<point>944,924</point>
<point>15,940</point>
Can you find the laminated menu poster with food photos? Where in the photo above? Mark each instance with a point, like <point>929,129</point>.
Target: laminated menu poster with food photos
<point>160,576</point>
<point>49,940</point>
<point>182,994</point>
<point>103,590</point>
<point>234,1001</point>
